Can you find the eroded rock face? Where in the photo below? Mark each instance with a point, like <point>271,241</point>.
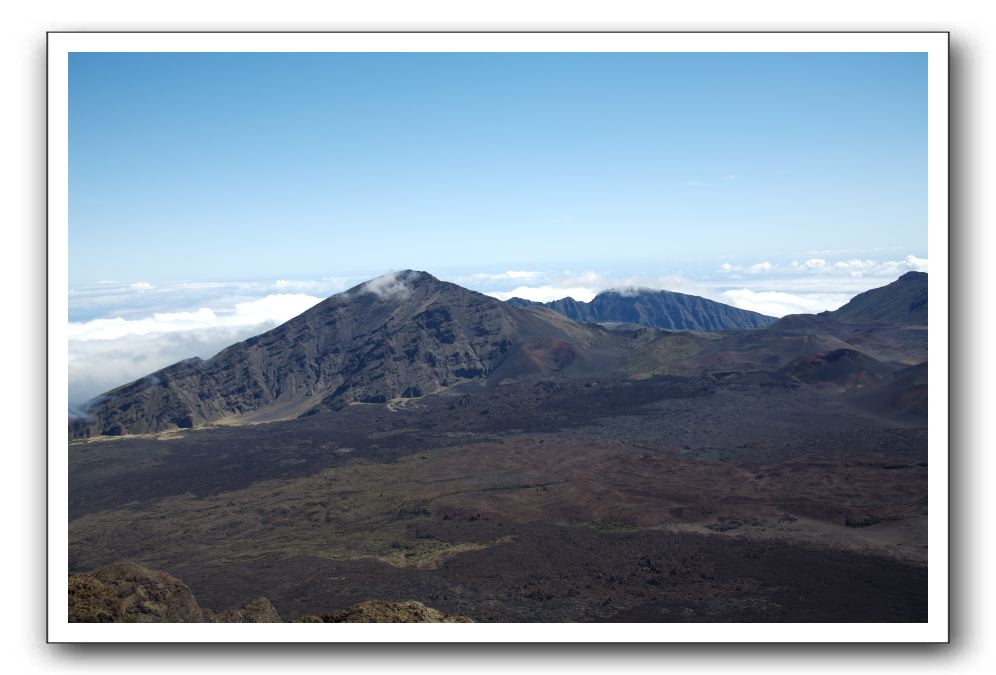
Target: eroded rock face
<point>378,611</point>
<point>656,309</point>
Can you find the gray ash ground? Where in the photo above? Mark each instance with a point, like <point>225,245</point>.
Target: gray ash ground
<point>806,454</point>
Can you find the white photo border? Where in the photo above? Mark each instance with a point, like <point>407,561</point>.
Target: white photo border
<point>934,44</point>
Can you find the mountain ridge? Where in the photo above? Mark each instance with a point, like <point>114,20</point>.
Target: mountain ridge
<point>902,301</point>
<point>665,310</point>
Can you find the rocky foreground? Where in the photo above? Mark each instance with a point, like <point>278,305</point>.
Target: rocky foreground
<point>130,593</point>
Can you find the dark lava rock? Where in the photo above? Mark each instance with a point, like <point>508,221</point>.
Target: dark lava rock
<point>862,521</point>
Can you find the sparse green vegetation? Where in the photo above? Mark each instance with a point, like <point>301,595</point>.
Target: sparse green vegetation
<point>363,510</point>
<point>665,355</point>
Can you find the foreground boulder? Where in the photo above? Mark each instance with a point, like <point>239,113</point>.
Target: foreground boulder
<point>260,610</point>
<point>92,601</point>
<point>130,593</point>
<point>378,611</point>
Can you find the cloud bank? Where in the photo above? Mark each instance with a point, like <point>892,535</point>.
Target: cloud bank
<point>107,352</point>
<point>272,309</point>
<point>584,286</point>
<point>853,267</point>
<point>777,303</point>
<point>773,288</point>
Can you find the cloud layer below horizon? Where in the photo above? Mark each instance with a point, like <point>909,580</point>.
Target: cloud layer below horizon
<point>776,289</point>
<point>120,331</point>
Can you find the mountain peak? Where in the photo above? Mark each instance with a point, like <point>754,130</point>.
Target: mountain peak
<point>395,285</point>
<point>411,276</point>
<point>400,335</point>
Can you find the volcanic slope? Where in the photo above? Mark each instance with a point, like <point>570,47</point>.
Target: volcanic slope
<point>402,335</point>
<point>657,309</point>
<point>888,323</point>
<point>903,301</point>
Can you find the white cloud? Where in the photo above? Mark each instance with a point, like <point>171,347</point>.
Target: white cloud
<point>814,285</point>
<point>128,299</point>
<point>120,331</point>
<point>628,291</point>
<point>583,286</point>
<point>854,267</point>
<point>916,264</point>
<point>96,366</point>
<point>271,309</point>
<point>108,352</point>
<point>778,303</point>
<point>390,286</point>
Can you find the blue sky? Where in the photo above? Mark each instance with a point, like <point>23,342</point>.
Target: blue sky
<point>213,196</point>
<point>215,166</point>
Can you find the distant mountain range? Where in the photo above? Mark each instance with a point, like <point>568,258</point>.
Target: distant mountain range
<point>666,310</point>
<point>409,334</point>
